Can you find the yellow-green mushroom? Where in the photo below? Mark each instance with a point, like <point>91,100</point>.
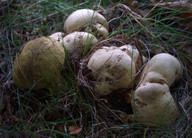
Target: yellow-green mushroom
<point>38,64</point>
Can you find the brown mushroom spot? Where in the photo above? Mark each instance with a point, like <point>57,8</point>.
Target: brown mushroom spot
<point>80,37</point>
<point>119,57</point>
<point>123,49</point>
<point>139,104</point>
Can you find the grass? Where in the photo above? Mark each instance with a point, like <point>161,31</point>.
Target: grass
<point>41,113</point>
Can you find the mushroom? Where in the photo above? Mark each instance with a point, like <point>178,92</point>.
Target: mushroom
<point>162,66</point>
<point>84,18</point>
<point>58,36</point>
<point>100,29</point>
<point>152,101</point>
<point>112,69</point>
<point>78,42</point>
<point>133,53</point>
<point>38,64</point>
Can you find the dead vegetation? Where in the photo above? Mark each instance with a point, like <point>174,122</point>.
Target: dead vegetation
<point>152,28</point>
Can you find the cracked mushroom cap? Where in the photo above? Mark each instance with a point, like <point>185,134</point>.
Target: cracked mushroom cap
<point>112,69</point>
<point>153,103</point>
<point>38,64</point>
<point>83,18</point>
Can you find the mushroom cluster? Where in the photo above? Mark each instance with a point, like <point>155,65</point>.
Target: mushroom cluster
<point>81,30</point>
<point>38,65</point>
<point>113,68</point>
<point>82,27</point>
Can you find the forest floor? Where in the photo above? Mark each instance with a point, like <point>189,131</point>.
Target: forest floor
<point>150,26</point>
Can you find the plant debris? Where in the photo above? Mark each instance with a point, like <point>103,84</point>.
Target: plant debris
<point>151,27</point>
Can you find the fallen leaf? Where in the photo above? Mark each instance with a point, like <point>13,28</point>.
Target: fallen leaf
<point>126,94</point>
<point>133,4</point>
<point>123,116</point>
<point>154,1</point>
<point>127,117</point>
<point>60,128</point>
<point>186,48</point>
<point>75,130</point>
<point>113,136</point>
<point>3,1</point>
<point>183,5</point>
<point>101,106</point>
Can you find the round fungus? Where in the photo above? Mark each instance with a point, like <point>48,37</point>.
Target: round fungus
<point>77,42</point>
<point>38,64</point>
<point>152,101</point>
<point>84,18</point>
<point>112,69</point>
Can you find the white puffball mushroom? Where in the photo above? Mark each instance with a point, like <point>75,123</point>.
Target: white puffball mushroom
<point>133,53</point>
<point>112,69</point>
<point>83,18</point>
<point>152,101</point>
<point>163,65</point>
<point>77,42</point>
<point>58,36</point>
<point>101,30</point>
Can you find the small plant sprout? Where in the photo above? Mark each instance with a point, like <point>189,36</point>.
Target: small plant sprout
<point>152,101</point>
<point>38,64</point>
